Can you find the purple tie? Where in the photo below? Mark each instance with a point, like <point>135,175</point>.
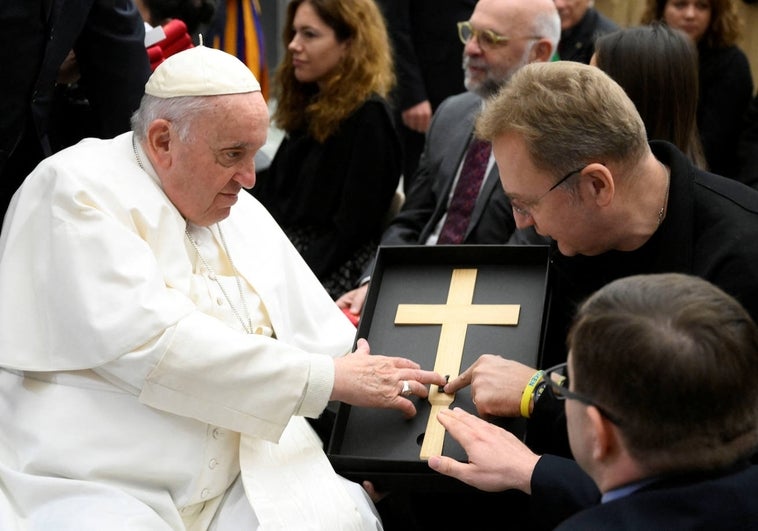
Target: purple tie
<point>466,192</point>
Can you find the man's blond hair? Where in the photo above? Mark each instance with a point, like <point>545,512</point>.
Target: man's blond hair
<point>568,114</point>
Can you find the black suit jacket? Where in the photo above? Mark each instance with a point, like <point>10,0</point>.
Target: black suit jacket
<point>37,35</point>
<point>427,50</point>
<point>748,150</point>
<point>726,88</point>
<point>721,500</point>
<point>341,188</point>
<point>578,43</point>
<point>446,142</point>
<point>710,230</point>
<point>564,497</point>
<point>427,55</point>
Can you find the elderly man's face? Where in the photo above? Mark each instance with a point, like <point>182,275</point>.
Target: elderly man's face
<point>209,170</point>
<point>571,12</point>
<point>489,68</point>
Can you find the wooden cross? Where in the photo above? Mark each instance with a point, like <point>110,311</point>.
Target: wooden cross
<point>455,316</point>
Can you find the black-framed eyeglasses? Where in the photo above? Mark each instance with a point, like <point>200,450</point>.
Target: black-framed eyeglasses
<point>527,211</point>
<point>556,378</point>
<point>486,39</point>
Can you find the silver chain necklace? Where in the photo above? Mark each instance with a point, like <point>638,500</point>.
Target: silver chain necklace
<point>662,211</point>
<point>248,326</point>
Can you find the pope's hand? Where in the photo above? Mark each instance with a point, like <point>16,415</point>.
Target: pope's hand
<point>363,379</point>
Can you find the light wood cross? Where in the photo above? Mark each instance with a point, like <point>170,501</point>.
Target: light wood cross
<point>454,316</point>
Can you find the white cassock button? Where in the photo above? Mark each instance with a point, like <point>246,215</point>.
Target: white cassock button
<point>212,464</point>
<point>204,493</point>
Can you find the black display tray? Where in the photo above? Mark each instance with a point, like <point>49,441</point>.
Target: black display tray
<point>380,445</point>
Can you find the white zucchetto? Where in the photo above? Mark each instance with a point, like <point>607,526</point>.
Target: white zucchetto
<point>201,71</point>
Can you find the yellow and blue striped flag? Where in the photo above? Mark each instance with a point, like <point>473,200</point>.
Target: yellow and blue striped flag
<point>242,36</point>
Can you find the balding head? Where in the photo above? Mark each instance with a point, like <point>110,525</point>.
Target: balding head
<point>507,34</point>
<point>572,11</point>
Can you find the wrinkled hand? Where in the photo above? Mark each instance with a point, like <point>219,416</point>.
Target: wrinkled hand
<point>418,117</point>
<point>497,459</point>
<point>496,385</point>
<point>354,300</point>
<point>366,380</point>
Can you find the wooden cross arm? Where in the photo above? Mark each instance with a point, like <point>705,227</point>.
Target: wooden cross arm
<point>486,314</point>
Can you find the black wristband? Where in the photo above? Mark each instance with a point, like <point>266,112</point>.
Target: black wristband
<point>538,391</point>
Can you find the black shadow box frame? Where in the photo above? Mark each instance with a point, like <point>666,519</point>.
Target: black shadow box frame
<point>380,445</point>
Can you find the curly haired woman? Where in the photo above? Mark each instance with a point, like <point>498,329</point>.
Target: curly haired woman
<point>334,175</point>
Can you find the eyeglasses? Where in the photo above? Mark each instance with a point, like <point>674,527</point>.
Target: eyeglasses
<point>557,379</point>
<point>527,211</point>
<point>486,39</point>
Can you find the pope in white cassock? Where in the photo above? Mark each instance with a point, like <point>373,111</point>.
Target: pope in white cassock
<point>161,342</point>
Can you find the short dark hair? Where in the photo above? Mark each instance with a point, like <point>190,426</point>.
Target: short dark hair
<point>674,357</point>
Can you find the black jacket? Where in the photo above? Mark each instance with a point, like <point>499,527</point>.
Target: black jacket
<point>564,496</point>
<point>446,143</point>
<point>710,230</point>
<point>578,43</point>
<point>37,35</point>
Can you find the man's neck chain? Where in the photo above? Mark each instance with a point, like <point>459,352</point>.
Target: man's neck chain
<point>247,324</point>
<point>136,153</point>
<point>662,211</point>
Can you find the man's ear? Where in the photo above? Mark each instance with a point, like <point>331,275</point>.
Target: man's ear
<point>542,51</point>
<point>159,143</point>
<point>599,183</point>
<point>605,439</point>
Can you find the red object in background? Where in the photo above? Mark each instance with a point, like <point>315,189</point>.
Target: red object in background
<point>155,56</point>
<point>177,39</point>
<point>353,318</point>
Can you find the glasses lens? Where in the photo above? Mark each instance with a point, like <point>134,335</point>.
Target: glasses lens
<point>465,31</point>
<point>487,39</point>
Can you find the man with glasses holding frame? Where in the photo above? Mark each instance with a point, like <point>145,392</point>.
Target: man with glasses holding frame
<point>662,413</point>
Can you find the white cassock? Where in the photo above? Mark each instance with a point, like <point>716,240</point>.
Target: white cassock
<point>130,396</point>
